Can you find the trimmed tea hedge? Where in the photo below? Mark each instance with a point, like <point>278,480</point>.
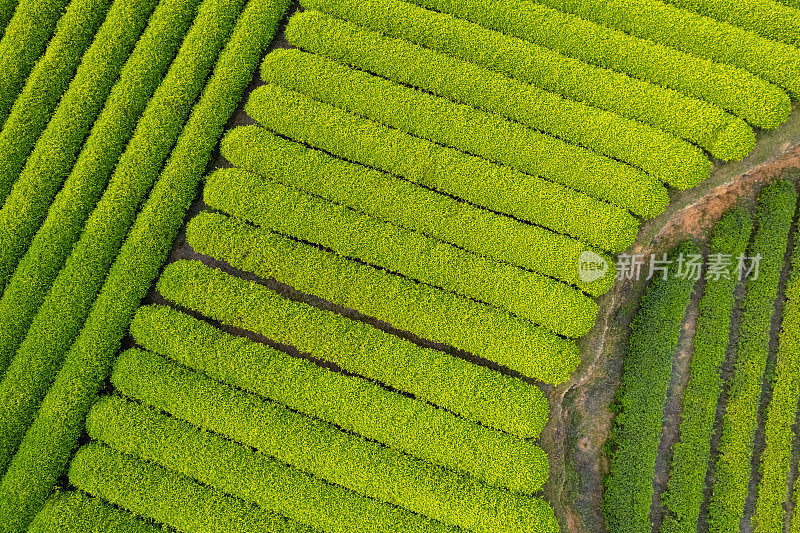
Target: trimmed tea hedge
<point>497,187</point>
<point>370,410</point>
<point>776,207</point>
<point>684,494</point>
<point>7,8</point>
<point>217,462</point>
<point>323,450</point>
<point>776,458</point>
<point>154,492</point>
<point>48,443</point>
<point>48,80</point>
<point>423,310</point>
<point>54,154</point>
<point>738,91</point>
<point>696,35</point>
<point>361,349</point>
<point>484,134</point>
<point>76,512</point>
<point>405,204</point>
<point>352,234</point>
<point>628,488</point>
<point>768,18</point>
<point>482,80</point>
<point>143,72</point>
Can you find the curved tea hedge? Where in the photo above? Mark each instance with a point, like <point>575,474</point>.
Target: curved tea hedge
<point>357,464</point>
<point>628,488</point>
<point>153,492</point>
<point>405,204</point>
<point>690,454</point>
<point>352,234</point>
<point>699,36</point>
<point>46,83</point>
<point>497,187</point>
<point>55,431</point>
<point>254,477</point>
<point>423,310</point>
<point>370,410</point>
<point>144,70</point>
<point>776,207</point>
<point>484,134</point>
<point>76,512</point>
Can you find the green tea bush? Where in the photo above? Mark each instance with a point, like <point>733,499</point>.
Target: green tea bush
<point>143,72</point>
<point>513,405</point>
<point>690,455</point>
<point>352,234</point>
<point>696,35</point>
<point>256,478</point>
<point>738,91</point>
<point>6,12</point>
<point>55,431</point>
<point>776,207</point>
<point>472,178</point>
<point>484,134</point>
<point>490,57</point>
<point>423,310</point>
<point>647,368</point>
<point>768,18</point>
<point>46,83</point>
<point>302,385</point>
<point>153,492</point>
<point>324,451</point>
<point>76,512</point>
<point>438,216</point>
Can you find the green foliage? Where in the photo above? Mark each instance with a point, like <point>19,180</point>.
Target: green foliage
<point>776,207</point>
<point>7,8</point>
<point>472,178</point>
<point>24,39</point>
<point>684,494</point>
<point>54,154</point>
<point>421,309</point>
<point>773,489</point>
<point>491,56</point>
<point>76,512</point>
<point>742,93</point>
<point>628,489</point>
<point>180,502</point>
<point>485,134</point>
<point>438,216</point>
<point>699,36</point>
<point>53,243</point>
<point>45,449</point>
<point>768,18</point>
<point>483,395</point>
<point>352,234</point>
<point>246,474</point>
<point>48,80</point>
<point>324,451</point>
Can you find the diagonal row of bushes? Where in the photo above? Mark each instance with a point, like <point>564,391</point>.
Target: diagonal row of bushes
<point>774,214</point>
<point>420,309</point>
<point>324,451</point>
<point>143,72</point>
<point>463,127</point>
<point>744,94</point>
<point>690,455</point>
<point>494,72</point>
<point>55,431</point>
<point>77,512</point>
<point>471,178</point>
<point>439,216</point>
<point>283,209</point>
<point>647,368</point>
<point>513,405</point>
<point>696,35</point>
<point>45,85</point>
